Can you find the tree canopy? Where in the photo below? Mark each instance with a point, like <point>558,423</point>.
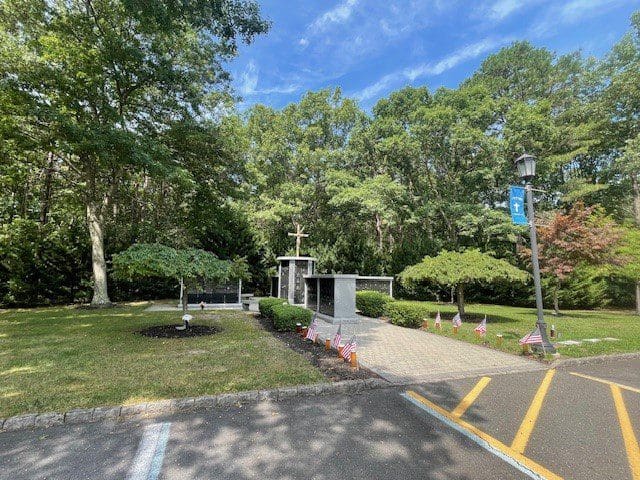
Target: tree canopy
<point>457,269</point>
<point>119,126</point>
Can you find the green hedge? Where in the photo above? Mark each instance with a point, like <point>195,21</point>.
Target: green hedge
<point>406,314</point>
<point>371,304</point>
<point>266,306</point>
<point>285,317</point>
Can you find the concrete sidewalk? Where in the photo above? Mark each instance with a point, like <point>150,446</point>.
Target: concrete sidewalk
<point>406,356</point>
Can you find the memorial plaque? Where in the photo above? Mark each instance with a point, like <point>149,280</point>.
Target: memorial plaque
<point>284,280</point>
<point>209,293</point>
<point>312,293</point>
<point>327,297</point>
<point>381,285</point>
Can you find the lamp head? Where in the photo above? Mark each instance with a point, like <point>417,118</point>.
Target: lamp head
<point>526,165</point>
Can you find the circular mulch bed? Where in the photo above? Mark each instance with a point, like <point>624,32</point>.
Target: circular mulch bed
<point>169,331</point>
<point>328,362</point>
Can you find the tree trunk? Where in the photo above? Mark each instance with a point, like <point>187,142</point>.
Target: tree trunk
<point>94,222</point>
<point>556,303</point>
<point>637,298</point>
<point>45,194</point>
<point>460,299</point>
<point>185,304</point>
<point>636,198</point>
<point>379,231</point>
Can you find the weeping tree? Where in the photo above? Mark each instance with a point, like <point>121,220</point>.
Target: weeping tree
<point>188,266</point>
<point>459,269</point>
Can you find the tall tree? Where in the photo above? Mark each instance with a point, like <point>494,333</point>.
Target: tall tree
<point>103,83</point>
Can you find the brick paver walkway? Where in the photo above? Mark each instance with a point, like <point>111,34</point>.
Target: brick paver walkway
<point>404,356</point>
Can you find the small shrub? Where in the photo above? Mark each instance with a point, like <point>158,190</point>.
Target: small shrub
<point>406,314</point>
<point>371,304</point>
<point>266,306</point>
<point>285,317</point>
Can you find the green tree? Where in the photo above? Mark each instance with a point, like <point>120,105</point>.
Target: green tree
<point>459,269</point>
<point>188,265</point>
<point>106,84</point>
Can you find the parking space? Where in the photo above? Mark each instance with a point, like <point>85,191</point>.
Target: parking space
<point>567,423</point>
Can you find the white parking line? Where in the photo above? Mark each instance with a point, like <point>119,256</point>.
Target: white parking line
<point>148,460</point>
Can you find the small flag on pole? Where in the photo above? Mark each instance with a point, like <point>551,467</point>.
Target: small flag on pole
<point>349,348</point>
<point>532,338</point>
<point>438,323</point>
<point>311,331</point>
<point>481,329</point>
<point>457,321</point>
<point>337,337</point>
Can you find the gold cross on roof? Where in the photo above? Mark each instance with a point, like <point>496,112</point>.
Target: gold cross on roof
<point>299,235</point>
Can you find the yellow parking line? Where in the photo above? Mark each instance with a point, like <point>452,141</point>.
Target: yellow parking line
<point>496,444</point>
<point>526,427</point>
<point>630,440</point>
<point>466,402</point>
<point>607,382</point>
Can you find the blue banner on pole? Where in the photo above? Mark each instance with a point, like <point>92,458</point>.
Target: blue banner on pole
<point>516,205</point>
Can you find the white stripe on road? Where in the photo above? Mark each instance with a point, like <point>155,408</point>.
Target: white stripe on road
<point>148,460</point>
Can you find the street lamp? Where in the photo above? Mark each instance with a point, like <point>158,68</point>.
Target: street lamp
<point>526,165</point>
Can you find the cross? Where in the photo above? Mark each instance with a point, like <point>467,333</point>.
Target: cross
<point>299,235</point>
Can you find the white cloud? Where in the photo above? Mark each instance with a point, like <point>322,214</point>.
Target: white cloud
<point>339,14</point>
<point>380,86</point>
<point>503,8</point>
<point>450,61</point>
<point>303,42</point>
<point>577,9</point>
<point>461,55</point>
<point>249,79</point>
<point>570,12</point>
<point>249,83</point>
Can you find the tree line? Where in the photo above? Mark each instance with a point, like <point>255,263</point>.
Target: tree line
<point>119,127</point>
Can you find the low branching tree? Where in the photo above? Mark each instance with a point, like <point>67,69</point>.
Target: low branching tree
<point>459,269</point>
<point>189,265</point>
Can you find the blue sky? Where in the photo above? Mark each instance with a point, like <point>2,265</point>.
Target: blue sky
<point>370,48</point>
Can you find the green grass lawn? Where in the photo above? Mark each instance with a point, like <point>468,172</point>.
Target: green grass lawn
<point>514,322</point>
<point>56,359</point>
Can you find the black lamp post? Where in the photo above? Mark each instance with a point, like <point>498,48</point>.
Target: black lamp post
<point>526,165</point>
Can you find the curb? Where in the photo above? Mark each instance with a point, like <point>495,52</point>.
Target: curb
<point>594,360</point>
<point>185,405</point>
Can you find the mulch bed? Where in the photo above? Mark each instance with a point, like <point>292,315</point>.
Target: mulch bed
<point>332,368</point>
<point>169,331</point>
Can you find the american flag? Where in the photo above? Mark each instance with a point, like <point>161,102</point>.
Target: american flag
<point>311,331</point>
<point>457,321</point>
<point>533,338</point>
<point>438,320</point>
<point>482,327</point>
<point>337,337</point>
<point>349,348</point>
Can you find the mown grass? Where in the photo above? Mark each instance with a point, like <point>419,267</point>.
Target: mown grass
<point>56,359</point>
<point>514,322</point>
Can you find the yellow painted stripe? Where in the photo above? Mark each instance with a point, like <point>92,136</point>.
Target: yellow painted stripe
<point>630,440</point>
<point>607,382</point>
<point>495,443</point>
<point>526,427</point>
<point>466,402</point>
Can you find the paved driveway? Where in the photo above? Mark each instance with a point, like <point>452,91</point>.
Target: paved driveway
<point>405,356</point>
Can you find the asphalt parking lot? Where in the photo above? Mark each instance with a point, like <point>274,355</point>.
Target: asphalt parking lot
<point>573,422</point>
<point>570,423</point>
